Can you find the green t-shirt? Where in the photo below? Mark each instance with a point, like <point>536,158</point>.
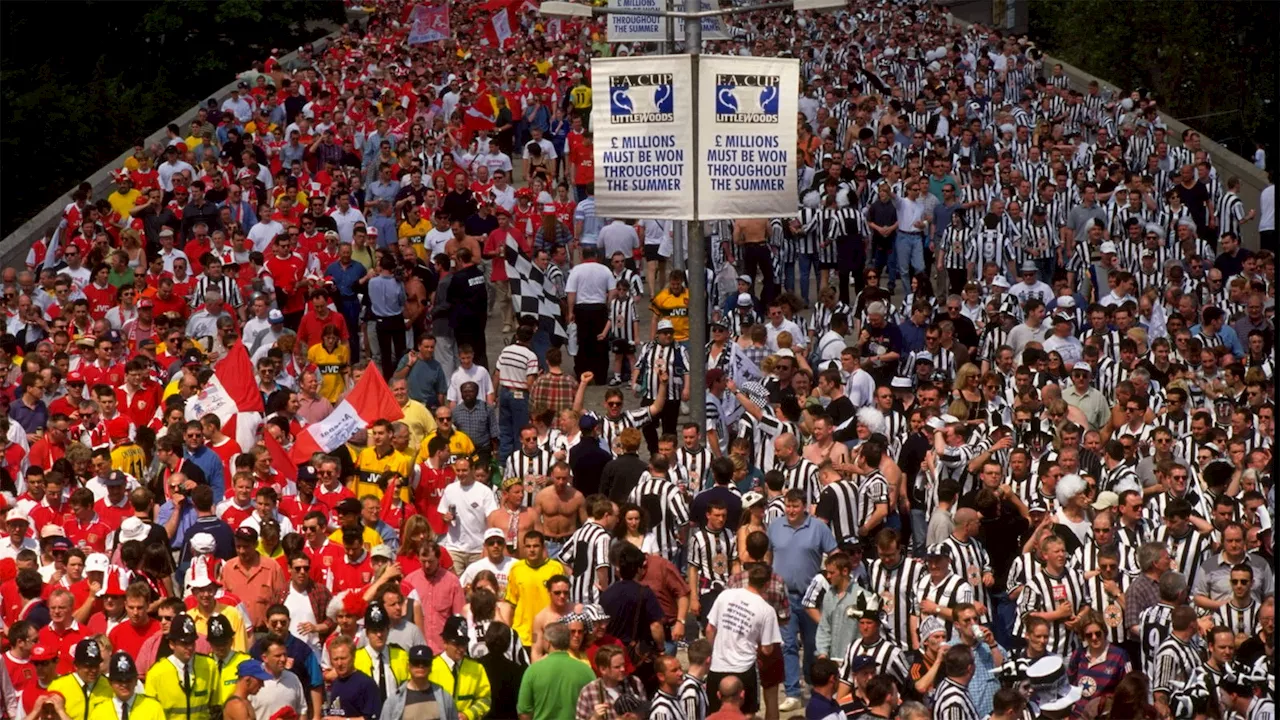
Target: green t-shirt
<point>550,688</point>
<point>120,279</point>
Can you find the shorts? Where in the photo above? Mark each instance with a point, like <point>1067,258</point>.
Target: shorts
<point>623,347</point>
<point>772,672</point>
<point>651,253</point>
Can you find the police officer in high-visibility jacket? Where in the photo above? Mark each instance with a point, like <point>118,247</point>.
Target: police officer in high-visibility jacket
<point>185,683</point>
<point>84,688</point>
<point>386,663</point>
<point>460,676</point>
<point>127,704</point>
<point>221,638</point>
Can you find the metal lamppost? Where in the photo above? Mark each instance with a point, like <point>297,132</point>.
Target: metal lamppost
<point>696,262</point>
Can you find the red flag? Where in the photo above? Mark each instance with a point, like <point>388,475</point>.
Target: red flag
<point>279,457</point>
<point>235,372</point>
<point>369,400</point>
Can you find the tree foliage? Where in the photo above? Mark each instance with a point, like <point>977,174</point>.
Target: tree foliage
<point>81,81</point>
<point>1199,57</point>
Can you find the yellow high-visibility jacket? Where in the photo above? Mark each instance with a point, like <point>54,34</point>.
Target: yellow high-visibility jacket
<point>141,708</point>
<point>164,683</point>
<point>71,687</point>
<point>469,686</point>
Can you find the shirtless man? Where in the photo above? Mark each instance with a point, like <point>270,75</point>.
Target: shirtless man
<point>561,508</point>
<point>751,238</point>
<point>512,519</point>
<point>558,588</point>
<point>250,676</point>
<point>824,448</point>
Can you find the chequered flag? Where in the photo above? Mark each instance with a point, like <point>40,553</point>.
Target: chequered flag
<point>529,293</point>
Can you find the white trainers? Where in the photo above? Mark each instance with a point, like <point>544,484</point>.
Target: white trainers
<point>789,705</point>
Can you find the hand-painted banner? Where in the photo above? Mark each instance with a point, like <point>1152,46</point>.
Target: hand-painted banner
<point>429,23</point>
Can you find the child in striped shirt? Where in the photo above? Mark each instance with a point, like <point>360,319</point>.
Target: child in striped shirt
<point>623,328</point>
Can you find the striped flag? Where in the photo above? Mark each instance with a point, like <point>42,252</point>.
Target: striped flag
<point>231,395</point>
<point>369,400</point>
<point>529,291</point>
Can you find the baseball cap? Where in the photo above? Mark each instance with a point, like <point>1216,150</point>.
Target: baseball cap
<point>253,669</point>
<point>1029,266</point>
<point>1000,282</point>
<point>1067,302</point>
<point>1082,366</point>
<point>146,304</point>
<point>44,653</point>
<point>492,533</point>
<point>744,300</point>
<point>203,543</point>
<point>275,317</point>
<point>587,422</point>
<point>97,562</point>
<point>751,499</point>
<point>246,534</point>
<point>746,279</point>
<point>1106,499</point>
<point>384,551</point>
<point>350,506</point>
<point>420,655</point>
<point>118,427</point>
<point>52,531</point>
<point>1107,248</point>
<point>861,662</point>
<point>115,478</point>
<point>665,325</point>
<point>74,377</point>
<point>15,515</point>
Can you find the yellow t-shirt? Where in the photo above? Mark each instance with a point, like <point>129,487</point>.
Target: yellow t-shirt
<point>129,459</point>
<point>331,366</point>
<point>123,202</point>
<point>240,641</point>
<point>419,420</point>
<point>527,592</point>
<point>676,309</point>
<point>580,96</point>
<point>371,537</point>
<point>459,446</point>
<point>371,466</point>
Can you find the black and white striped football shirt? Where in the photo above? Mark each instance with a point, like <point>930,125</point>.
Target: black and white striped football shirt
<point>693,697</point>
<point>1174,663</point>
<point>1188,551</point>
<point>1153,629</point>
<point>951,701</point>
<point>586,550</point>
<point>1241,620</point>
<point>889,659</point>
<point>523,465</point>
<point>838,507</point>
<point>947,593</point>
<point>970,560</point>
<point>1109,605</point>
<point>665,706</point>
<point>802,475</point>
<point>712,554</point>
<point>1044,592</point>
<point>896,586</point>
<point>667,509</point>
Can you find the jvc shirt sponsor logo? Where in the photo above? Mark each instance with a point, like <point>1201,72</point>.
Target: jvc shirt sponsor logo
<point>647,98</point>
<point>747,98</point>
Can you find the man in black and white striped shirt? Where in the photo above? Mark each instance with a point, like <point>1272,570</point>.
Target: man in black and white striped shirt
<point>1056,593</point>
<point>969,558</point>
<point>666,506</point>
<point>214,279</point>
<point>799,472</point>
<point>712,557</point>
<point>894,577</point>
<point>1176,657</point>
<point>586,552</point>
<point>530,463</point>
<point>951,699</point>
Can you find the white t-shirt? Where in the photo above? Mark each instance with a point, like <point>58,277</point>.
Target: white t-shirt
<point>475,374</point>
<point>471,507</point>
<point>436,240</point>
<point>300,611</point>
<point>1267,209</point>
<point>744,623</point>
<point>500,570</point>
<point>263,232</point>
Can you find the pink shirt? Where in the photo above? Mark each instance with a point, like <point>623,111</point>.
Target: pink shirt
<point>440,596</point>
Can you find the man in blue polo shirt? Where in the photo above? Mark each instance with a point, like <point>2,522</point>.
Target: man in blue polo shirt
<point>799,545</point>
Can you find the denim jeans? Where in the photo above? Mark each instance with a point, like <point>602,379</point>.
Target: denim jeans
<point>799,629</point>
<point>919,531</point>
<point>540,345</point>
<point>806,267</point>
<point>513,414</point>
<point>1003,611</point>
<point>886,261</point>
<point>910,250</point>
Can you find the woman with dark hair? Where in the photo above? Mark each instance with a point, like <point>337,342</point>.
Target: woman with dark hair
<point>1128,703</point>
<point>155,569</point>
<point>634,527</point>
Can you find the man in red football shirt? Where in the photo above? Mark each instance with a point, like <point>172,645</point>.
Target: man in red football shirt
<point>63,632</point>
<point>114,507</point>
<point>297,507</point>
<point>84,529</point>
<point>129,636</point>
<point>23,637</point>
<point>355,571</point>
<point>138,398</point>
<point>44,659</point>
<point>325,555</point>
<point>287,272</point>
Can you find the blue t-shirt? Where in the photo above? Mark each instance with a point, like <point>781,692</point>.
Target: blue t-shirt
<point>353,696</point>
<point>798,551</point>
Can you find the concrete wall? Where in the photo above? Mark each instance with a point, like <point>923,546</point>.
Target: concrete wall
<point>1225,162</point>
<point>13,249</point>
